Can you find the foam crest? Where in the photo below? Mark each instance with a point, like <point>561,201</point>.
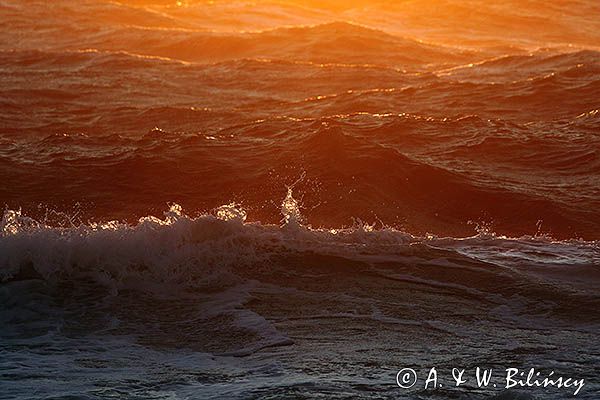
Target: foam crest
<point>211,250</point>
<point>174,249</point>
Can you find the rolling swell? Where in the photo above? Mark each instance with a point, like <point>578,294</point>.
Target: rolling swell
<point>426,152</point>
<point>425,174</point>
<point>155,106</point>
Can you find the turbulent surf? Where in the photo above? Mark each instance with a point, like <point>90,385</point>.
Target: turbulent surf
<point>285,199</point>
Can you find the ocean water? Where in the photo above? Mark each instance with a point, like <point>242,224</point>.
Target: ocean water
<point>298,199</point>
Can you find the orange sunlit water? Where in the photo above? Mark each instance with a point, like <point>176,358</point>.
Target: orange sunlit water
<point>407,112</point>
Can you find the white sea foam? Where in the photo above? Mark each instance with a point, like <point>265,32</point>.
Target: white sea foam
<point>179,249</point>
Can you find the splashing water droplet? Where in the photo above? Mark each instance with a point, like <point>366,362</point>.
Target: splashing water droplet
<point>14,222</point>
<point>175,212</point>
<point>291,210</point>
<point>231,212</point>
